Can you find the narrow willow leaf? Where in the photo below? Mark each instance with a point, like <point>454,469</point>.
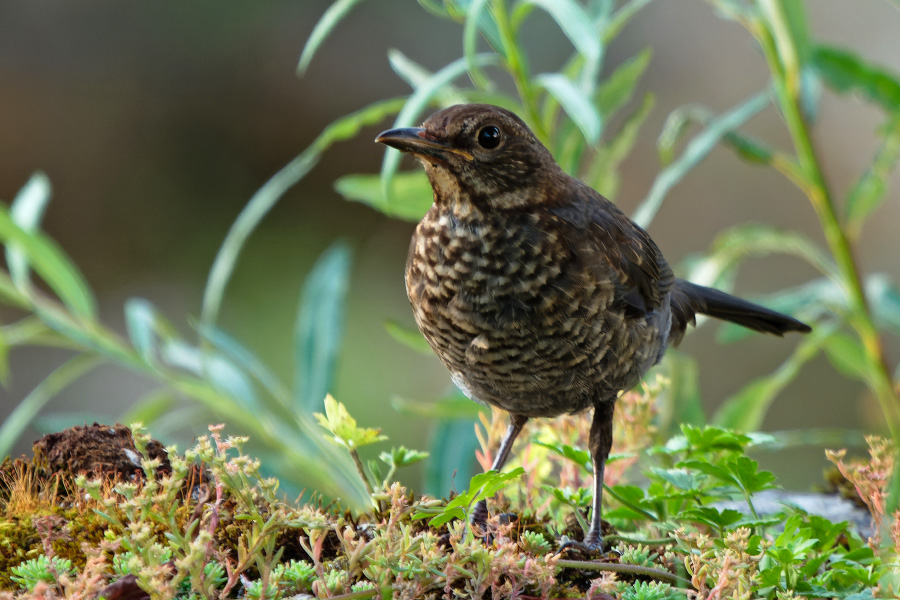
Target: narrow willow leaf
<point>415,75</point>
<point>51,264</point>
<point>749,148</point>
<point>409,337</point>
<point>229,378</point>
<point>333,15</point>
<point>415,106</point>
<point>476,19</point>
<point>847,355</point>
<point>411,194</point>
<point>576,104</point>
<point>266,197</point>
<point>885,298</point>
<point>621,18</point>
<point>603,175</point>
<point>869,190</point>
<point>140,321</point>
<point>14,425</point>
<point>242,355</point>
<point>319,328</point>
<point>787,24</point>
<point>846,72</point>
<point>619,86</point>
<point>746,410</point>
<point>698,148</point>
<point>754,240</point>
<point>576,25</point>
<point>26,211</point>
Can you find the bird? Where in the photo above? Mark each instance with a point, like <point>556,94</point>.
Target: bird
<point>538,294</point>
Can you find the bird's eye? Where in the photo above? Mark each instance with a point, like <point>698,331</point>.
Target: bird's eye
<point>489,137</point>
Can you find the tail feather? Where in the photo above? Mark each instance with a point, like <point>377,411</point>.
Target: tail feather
<point>689,300</point>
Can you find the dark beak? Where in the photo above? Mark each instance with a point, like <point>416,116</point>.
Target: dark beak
<point>415,140</point>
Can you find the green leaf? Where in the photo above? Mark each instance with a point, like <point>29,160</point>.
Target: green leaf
<point>708,515</point>
<point>787,24</point>
<point>869,190</point>
<point>736,244</point>
<point>243,356</point>
<point>416,75</point>
<point>140,321</point>
<point>747,475</point>
<point>477,19</point>
<point>319,327</point>
<point>26,211</point>
<point>619,86</point>
<point>847,355</point>
<point>697,149</point>
<point>343,427</point>
<point>603,174</point>
<point>333,15</point>
<point>229,379</point>
<point>266,197</point>
<point>576,25</point>
<point>846,72</point>
<point>402,456</point>
<point>680,478</point>
<point>410,337</point>
<point>51,264</point>
<point>576,104</point>
<point>410,194</point>
<point>31,405</point>
<point>885,299</point>
<point>580,457</point>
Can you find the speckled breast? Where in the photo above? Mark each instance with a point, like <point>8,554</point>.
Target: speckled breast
<point>519,316</point>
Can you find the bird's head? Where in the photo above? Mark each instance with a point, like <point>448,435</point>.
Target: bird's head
<point>479,154</point>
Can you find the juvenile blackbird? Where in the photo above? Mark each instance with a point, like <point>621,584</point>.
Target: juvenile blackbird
<point>539,295</point>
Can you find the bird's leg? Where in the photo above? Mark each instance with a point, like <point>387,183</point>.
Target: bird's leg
<point>516,422</point>
<point>600,443</point>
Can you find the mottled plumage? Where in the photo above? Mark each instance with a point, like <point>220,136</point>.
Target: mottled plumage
<point>539,295</point>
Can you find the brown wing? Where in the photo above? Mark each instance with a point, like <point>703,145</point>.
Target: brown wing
<point>644,277</point>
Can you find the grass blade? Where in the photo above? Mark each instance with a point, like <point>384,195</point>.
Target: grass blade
<point>698,148</point>
<point>32,404</point>
<point>319,327</point>
<point>26,211</point>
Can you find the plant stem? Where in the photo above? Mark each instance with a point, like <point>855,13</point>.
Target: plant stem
<point>819,194</point>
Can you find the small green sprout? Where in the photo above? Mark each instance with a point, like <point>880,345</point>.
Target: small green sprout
<point>534,542</point>
<point>30,572</point>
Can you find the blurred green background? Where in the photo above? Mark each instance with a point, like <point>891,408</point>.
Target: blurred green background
<point>156,122</point>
